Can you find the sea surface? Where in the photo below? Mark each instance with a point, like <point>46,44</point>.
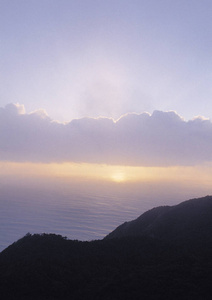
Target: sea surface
<point>81,212</point>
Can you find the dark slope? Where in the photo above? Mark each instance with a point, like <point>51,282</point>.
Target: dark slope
<point>157,264</point>
<point>187,222</point>
<point>50,267</point>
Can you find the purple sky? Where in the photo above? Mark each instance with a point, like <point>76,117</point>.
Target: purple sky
<point>89,58</point>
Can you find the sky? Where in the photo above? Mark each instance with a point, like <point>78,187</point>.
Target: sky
<point>96,58</point>
<point>119,89</point>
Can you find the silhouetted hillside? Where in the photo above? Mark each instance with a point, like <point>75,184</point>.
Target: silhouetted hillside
<point>188,222</point>
<point>156,264</point>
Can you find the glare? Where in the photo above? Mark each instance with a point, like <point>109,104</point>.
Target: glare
<point>118,177</point>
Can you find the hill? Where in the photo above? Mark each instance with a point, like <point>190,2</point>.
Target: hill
<point>189,222</point>
<point>145,262</point>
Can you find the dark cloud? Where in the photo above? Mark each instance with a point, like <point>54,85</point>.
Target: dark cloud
<point>160,139</point>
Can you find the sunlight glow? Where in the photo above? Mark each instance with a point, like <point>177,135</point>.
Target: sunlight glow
<point>118,177</point>
<point>106,173</point>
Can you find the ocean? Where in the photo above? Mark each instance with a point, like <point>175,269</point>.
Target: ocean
<point>85,211</point>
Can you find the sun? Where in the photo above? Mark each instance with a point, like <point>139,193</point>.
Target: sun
<point>118,177</point>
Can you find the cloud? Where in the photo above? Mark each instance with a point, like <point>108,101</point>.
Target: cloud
<point>160,139</point>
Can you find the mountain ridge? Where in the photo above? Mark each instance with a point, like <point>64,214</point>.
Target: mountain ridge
<point>181,221</point>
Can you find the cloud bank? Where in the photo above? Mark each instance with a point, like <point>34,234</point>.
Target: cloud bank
<point>160,139</point>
